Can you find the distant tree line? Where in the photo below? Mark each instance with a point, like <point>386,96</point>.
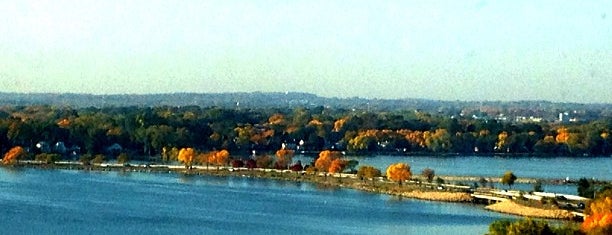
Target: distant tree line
<point>150,131</point>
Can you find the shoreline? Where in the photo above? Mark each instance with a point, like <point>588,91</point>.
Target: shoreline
<point>417,191</point>
<point>511,207</point>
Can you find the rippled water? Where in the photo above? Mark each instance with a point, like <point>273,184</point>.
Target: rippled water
<point>79,202</point>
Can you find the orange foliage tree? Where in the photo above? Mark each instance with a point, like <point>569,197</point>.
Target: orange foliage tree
<point>186,156</point>
<point>325,159</point>
<point>337,165</point>
<point>217,158</point>
<point>338,124</point>
<point>599,215</point>
<point>13,154</point>
<point>398,172</point>
<point>283,158</point>
<point>563,135</point>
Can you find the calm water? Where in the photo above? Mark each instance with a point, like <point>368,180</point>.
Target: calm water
<point>77,202</point>
<point>488,166</point>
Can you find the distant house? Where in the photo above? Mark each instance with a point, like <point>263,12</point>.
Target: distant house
<point>43,147</point>
<point>60,148</point>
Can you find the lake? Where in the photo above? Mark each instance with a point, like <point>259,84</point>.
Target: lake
<point>36,201</point>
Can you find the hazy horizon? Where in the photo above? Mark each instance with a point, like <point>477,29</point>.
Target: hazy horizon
<point>473,50</point>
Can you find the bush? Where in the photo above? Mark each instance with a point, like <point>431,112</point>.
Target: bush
<point>98,159</point>
<point>48,158</point>
<point>529,226</point>
<point>123,158</point>
<point>237,163</point>
<point>85,159</point>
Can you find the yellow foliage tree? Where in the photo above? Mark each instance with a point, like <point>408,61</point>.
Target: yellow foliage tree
<point>501,140</point>
<point>399,172</point>
<point>368,172</point>
<point>13,154</point>
<point>325,159</point>
<point>186,156</point>
<point>599,217</point>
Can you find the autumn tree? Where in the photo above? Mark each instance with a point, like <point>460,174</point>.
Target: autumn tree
<point>428,174</point>
<point>325,159</point>
<point>186,156</point>
<point>284,157</point>
<point>368,172</point>
<point>264,161</point>
<point>337,165</point>
<point>398,172</point>
<point>13,155</point>
<point>599,215</point>
<point>438,141</point>
<point>219,158</point>
<point>508,178</point>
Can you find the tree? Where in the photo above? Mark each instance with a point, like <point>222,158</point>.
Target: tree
<point>219,158</point>
<point>586,188</point>
<point>429,174</point>
<point>13,155</point>
<point>508,178</point>
<point>264,161</point>
<point>599,215</point>
<point>537,186</point>
<point>186,156</point>
<point>325,159</point>
<point>337,165</point>
<point>398,172</point>
<point>368,172</point>
<point>352,164</point>
<point>283,158</point>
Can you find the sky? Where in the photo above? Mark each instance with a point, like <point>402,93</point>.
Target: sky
<point>450,50</point>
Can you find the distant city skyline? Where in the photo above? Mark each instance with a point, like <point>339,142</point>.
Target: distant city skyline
<point>469,50</point>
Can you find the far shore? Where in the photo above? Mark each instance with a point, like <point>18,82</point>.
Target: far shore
<point>411,189</point>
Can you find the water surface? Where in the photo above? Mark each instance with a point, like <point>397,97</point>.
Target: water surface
<point>79,202</point>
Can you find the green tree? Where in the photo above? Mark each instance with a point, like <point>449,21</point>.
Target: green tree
<point>508,178</point>
<point>586,188</point>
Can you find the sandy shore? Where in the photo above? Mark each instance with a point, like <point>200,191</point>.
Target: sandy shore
<point>514,208</point>
<point>439,196</point>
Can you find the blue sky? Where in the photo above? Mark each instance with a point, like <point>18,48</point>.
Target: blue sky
<point>451,50</point>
